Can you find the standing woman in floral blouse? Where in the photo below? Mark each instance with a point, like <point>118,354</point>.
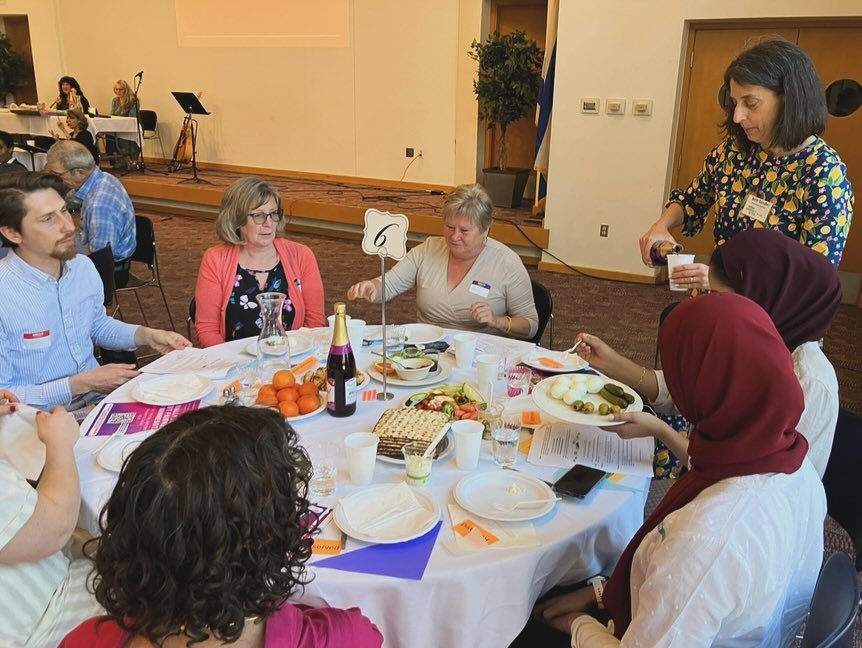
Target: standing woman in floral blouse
<point>772,170</point>
<point>253,259</point>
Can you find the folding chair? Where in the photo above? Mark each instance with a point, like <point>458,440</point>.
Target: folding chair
<point>104,261</point>
<point>842,480</point>
<point>545,309</point>
<point>191,319</point>
<point>145,252</point>
<point>834,605</point>
<point>150,128</point>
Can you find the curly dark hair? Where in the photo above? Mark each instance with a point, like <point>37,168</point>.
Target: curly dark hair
<point>786,69</point>
<point>206,526</point>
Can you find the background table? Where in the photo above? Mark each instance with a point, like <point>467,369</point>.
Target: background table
<point>472,600</point>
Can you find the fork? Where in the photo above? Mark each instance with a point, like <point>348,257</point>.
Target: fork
<point>508,508</point>
<point>575,346</point>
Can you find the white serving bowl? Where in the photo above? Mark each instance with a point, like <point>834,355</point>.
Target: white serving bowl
<point>413,368</point>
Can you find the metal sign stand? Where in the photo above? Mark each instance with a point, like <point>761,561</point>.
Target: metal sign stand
<point>384,395</point>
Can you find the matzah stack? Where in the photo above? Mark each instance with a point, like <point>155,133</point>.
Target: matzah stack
<point>399,425</point>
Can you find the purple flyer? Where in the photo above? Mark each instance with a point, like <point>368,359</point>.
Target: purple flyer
<point>135,417</point>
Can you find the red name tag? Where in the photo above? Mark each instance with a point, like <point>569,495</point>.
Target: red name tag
<point>37,334</point>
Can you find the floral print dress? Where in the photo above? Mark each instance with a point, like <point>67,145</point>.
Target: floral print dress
<point>242,315</point>
<point>811,197</point>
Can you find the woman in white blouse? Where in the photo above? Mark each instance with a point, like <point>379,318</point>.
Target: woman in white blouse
<point>465,279</point>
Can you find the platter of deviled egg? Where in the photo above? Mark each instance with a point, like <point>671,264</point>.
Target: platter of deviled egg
<point>585,398</point>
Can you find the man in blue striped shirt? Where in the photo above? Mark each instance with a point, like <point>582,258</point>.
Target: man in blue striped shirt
<point>107,214</point>
<point>52,310</point>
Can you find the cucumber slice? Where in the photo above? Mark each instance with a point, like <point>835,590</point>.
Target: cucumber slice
<point>471,393</point>
<point>415,399</point>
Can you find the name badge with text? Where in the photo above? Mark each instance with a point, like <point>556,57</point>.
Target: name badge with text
<point>479,288</point>
<point>37,339</point>
<point>756,208</point>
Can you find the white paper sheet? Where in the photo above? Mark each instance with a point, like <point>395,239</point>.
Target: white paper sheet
<point>192,360</point>
<point>562,444</point>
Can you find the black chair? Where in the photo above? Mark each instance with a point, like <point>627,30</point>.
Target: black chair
<point>834,605</point>
<point>104,261</point>
<point>545,309</point>
<point>145,252</point>
<point>843,478</point>
<point>664,313</point>
<point>191,318</point>
<point>150,128</point>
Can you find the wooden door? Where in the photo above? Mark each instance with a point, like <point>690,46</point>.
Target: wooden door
<point>530,16</point>
<point>709,55</point>
<point>837,54</point>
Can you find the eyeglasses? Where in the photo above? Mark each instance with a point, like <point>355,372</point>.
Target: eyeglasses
<point>260,218</point>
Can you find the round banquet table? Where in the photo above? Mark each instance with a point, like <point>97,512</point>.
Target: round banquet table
<point>470,600</point>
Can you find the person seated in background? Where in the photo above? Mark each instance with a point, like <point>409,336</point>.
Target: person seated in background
<point>107,214</point>
<point>124,104</point>
<point>253,258</point>
<point>196,547</point>
<point>463,280</point>
<point>800,290</point>
<point>71,95</point>
<point>8,163</point>
<point>52,300</point>
<point>43,591</point>
<point>75,129</point>
<point>732,552</point>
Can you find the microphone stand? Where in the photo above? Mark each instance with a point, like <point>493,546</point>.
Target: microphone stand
<point>138,164</point>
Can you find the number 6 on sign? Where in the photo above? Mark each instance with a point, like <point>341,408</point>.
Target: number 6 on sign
<point>385,234</point>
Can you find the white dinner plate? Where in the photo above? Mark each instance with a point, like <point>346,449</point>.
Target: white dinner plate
<point>299,345</point>
<point>547,403</point>
<point>479,492</point>
<point>442,373</point>
<point>114,454</point>
<point>166,382</point>
<point>570,361</point>
<point>406,534</point>
<point>446,446</point>
<point>422,333</point>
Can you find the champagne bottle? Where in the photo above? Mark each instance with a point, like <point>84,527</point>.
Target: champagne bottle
<point>340,369</point>
<point>660,249</point>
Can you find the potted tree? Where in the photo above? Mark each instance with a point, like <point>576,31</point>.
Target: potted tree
<point>13,68</point>
<point>510,72</point>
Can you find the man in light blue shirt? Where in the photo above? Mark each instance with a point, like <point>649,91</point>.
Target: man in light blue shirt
<point>107,214</point>
<point>52,310</point>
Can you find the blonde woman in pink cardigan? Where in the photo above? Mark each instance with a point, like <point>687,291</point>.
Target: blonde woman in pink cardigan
<point>253,259</point>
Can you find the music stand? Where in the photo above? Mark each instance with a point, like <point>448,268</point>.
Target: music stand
<point>191,105</point>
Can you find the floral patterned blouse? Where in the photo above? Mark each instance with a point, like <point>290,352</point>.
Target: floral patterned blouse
<point>811,197</point>
<point>242,315</point>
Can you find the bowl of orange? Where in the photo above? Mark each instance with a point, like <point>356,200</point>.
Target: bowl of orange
<point>291,398</point>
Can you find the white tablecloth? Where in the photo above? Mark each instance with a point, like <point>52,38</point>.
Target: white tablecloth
<point>470,600</point>
<point>122,127</point>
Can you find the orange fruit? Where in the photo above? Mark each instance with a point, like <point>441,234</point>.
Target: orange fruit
<point>306,389</point>
<point>283,378</point>
<point>390,368</point>
<point>266,392</point>
<point>288,408</point>
<point>308,403</point>
<point>287,394</point>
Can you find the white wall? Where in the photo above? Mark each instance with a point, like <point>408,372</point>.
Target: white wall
<point>616,170</point>
<point>341,110</point>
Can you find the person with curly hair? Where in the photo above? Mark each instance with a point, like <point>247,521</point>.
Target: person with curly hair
<point>206,536</point>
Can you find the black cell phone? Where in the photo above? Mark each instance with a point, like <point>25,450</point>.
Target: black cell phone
<point>579,481</point>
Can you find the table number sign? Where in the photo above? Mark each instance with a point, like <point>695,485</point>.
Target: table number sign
<point>385,235</point>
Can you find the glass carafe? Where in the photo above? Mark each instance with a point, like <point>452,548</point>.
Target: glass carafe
<point>272,344</point>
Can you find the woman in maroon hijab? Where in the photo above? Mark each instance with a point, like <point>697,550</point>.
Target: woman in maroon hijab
<point>801,292</point>
<point>710,565</point>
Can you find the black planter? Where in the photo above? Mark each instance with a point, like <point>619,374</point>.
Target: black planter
<point>506,188</point>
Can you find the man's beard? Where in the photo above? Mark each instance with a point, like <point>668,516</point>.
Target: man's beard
<point>64,253</point>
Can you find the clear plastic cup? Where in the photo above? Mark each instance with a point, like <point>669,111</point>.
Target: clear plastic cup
<point>417,467</point>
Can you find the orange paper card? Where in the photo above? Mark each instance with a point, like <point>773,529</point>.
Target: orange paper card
<point>326,546</point>
<point>525,444</point>
<point>369,394</point>
<point>550,362</point>
<point>465,526</point>
<point>530,417</point>
<point>302,367</point>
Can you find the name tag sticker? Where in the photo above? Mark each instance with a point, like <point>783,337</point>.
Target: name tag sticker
<point>465,526</point>
<point>479,288</point>
<point>326,546</point>
<point>756,208</point>
<point>37,339</point>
